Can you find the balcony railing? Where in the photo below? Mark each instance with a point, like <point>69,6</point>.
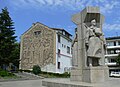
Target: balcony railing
<point>111,55</point>
<point>113,47</point>
<point>111,64</point>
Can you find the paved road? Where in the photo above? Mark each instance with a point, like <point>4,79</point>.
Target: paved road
<point>112,82</point>
<point>24,83</point>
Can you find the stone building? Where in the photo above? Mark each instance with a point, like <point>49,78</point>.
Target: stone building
<point>113,49</point>
<point>50,48</point>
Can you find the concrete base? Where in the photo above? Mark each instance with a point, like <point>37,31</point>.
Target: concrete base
<point>112,82</point>
<point>90,74</point>
<point>76,75</point>
<point>95,74</point>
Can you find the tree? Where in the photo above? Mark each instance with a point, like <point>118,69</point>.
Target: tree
<point>15,55</point>
<point>118,60</point>
<point>7,38</point>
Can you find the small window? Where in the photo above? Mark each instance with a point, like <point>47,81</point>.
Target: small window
<point>68,49</point>
<point>111,51</point>
<point>118,42</point>
<point>113,60</point>
<point>117,51</point>
<point>58,52</point>
<point>59,38</point>
<point>37,33</point>
<point>58,65</point>
<point>110,43</point>
<point>67,35</point>
<point>63,33</point>
<point>62,45</point>
<point>114,43</point>
<point>71,51</point>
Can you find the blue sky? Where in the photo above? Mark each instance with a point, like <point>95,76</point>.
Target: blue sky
<point>57,13</point>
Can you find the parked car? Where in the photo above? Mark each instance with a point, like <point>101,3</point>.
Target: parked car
<point>115,74</point>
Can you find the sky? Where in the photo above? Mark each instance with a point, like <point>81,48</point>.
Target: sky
<point>58,13</point>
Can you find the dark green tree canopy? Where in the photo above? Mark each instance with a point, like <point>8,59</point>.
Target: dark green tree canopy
<point>7,37</point>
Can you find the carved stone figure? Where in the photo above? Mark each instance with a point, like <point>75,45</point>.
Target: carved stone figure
<point>94,43</point>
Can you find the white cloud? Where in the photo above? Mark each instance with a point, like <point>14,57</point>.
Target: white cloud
<point>106,5</point>
<point>111,27</point>
<point>50,2</point>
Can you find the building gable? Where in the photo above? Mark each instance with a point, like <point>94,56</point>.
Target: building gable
<point>37,45</point>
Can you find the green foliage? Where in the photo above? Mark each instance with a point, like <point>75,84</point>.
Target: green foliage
<point>118,59</point>
<point>15,54</point>
<point>36,69</point>
<point>4,73</point>
<point>55,75</point>
<point>9,49</point>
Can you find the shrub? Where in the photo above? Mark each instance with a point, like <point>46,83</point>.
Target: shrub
<point>36,69</point>
<point>66,74</point>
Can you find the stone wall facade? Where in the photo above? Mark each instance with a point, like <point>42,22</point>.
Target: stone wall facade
<point>38,47</point>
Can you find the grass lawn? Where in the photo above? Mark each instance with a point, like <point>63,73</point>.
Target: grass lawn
<point>54,75</point>
<point>7,75</point>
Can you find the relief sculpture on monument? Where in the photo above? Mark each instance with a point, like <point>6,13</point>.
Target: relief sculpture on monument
<point>94,43</point>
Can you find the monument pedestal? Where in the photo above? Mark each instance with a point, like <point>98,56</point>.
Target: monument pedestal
<point>62,82</point>
<point>90,74</point>
<point>76,75</point>
<point>95,74</point>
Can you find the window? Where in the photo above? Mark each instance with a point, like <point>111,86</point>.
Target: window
<point>71,51</point>
<point>37,33</point>
<point>63,33</point>
<point>114,43</point>
<point>62,45</point>
<point>59,38</point>
<point>68,49</point>
<point>118,42</point>
<point>112,60</point>
<point>110,43</point>
<point>67,35</point>
<point>117,51</point>
<point>58,52</point>
<point>58,65</point>
<point>111,52</point>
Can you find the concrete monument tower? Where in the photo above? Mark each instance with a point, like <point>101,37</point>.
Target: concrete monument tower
<point>89,47</point>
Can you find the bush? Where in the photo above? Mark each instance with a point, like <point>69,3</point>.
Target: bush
<point>36,69</point>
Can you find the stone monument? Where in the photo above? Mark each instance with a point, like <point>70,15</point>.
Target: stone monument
<point>89,47</point>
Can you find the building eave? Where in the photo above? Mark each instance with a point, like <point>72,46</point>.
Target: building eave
<point>61,30</point>
<point>111,38</point>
